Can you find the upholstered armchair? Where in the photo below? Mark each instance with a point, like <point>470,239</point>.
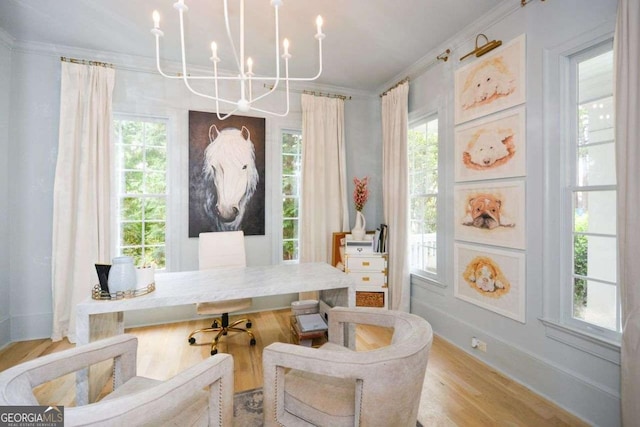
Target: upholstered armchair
<point>336,386</point>
<point>135,400</point>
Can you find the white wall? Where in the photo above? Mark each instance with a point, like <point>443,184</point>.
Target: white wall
<point>5,85</point>
<point>34,105</point>
<point>577,379</point>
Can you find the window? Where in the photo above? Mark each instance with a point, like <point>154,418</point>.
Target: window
<point>423,191</point>
<point>291,162</point>
<point>141,186</point>
<point>591,193</point>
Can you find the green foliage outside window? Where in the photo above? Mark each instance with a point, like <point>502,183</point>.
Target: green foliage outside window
<point>142,164</point>
<point>291,159</point>
<point>580,265</point>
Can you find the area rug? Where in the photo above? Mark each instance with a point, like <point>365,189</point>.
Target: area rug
<point>247,408</point>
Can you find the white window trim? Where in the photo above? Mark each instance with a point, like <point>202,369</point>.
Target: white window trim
<point>422,277</point>
<point>171,235</point>
<point>556,114</point>
<point>280,238</point>
<point>293,123</point>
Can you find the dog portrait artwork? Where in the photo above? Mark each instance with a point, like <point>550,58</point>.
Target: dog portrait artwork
<point>487,82</point>
<point>489,149</point>
<point>485,276</point>
<point>493,147</point>
<point>226,168</point>
<point>485,211</point>
<point>491,278</point>
<point>491,213</point>
<point>491,83</point>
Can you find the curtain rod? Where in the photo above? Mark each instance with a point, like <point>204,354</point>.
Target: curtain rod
<point>406,79</point>
<point>86,62</point>
<point>444,57</point>
<point>312,92</point>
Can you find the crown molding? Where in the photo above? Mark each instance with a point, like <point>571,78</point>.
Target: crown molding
<point>148,65</point>
<point>463,38</point>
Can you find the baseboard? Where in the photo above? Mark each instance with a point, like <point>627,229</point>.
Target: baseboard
<point>31,327</point>
<point>595,403</point>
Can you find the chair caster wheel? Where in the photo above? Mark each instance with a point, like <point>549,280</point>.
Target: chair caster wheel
<point>248,324</point>
<point>215,324</point>
<point>252,342</point>
<point>192,340</point>
<point>214,352</point>
<point>225,333</point>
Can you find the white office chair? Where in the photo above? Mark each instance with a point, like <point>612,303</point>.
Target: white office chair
<point>219,250</point>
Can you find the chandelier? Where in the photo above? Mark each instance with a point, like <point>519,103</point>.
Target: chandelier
<point>245,67</point>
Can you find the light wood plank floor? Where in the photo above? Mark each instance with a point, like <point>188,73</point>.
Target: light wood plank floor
<point>459,390</point>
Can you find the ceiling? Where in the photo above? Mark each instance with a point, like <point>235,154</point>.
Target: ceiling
<point>367,43</point>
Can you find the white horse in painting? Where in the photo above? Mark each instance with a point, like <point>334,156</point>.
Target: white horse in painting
<point>229,163</point>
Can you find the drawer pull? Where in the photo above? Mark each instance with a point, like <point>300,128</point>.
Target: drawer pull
<point>366,263</point>
<point>365,279</point>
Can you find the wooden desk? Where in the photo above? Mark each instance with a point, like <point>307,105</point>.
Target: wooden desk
<point>97,319</point>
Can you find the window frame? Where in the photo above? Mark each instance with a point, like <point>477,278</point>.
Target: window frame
<point>417,119</point>
<point>570,187</point>
<point>117,196</point>
<point>280,198</point>
<point>553,175</point>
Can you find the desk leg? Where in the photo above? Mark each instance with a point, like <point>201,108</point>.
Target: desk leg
<point>89,382</point>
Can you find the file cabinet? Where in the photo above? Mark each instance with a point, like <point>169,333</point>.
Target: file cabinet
<point>370,273</point>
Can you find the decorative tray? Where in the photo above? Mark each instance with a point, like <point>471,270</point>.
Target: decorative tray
<point>98,293</point>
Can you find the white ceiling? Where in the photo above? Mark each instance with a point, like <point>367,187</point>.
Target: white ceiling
<point>368,42</point>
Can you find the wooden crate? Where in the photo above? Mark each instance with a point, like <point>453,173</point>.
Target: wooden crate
<point>369,299</point>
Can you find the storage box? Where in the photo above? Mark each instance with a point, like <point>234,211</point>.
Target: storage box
<point>309,306</point>
<point>369,299</point>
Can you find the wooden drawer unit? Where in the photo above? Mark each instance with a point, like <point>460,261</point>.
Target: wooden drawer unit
<point>370,273</point>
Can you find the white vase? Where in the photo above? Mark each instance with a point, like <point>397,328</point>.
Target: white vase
<point>359,230</point>
<point>122,276</point>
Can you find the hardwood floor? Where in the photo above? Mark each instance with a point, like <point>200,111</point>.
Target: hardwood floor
<point>459,389</point>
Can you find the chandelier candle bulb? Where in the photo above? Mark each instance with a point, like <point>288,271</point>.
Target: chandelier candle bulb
<point>249,66</point>
<point>214,52</point>
<point>319,25</point>
<point>156,19</point>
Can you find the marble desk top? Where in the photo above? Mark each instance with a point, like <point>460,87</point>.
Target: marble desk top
<point>221,284</point>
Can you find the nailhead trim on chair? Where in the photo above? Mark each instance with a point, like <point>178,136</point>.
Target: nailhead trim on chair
<point>275,406</point>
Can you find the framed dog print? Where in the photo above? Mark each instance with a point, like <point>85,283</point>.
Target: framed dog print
<point>491,83</point>
<point>491,213</point>
<point>226,174</point>
<point>491,278</point>
<point>491,147</point>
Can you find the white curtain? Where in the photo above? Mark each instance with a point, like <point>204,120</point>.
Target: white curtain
<point>323,208</point>
<point>81,193</point>
<point>627,110</point>
<point>395,193</point>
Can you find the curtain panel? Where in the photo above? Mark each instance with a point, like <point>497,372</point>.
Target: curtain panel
<point>323,205</point>
<point>395,193</point>
<point>627,124</point>
<point>82,189</point>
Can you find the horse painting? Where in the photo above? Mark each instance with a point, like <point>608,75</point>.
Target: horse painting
<point>230,175</point>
